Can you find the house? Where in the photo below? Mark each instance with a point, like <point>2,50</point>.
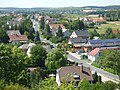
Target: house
<point>73,73</point>
<point>27,48</point>
<point>105,43</point>
<point>66,33</point>
<point>15,21</point>
<point>98,21</point>
<point>94,54</point>
<point>78,39</point>
<point>115,32</point>
<point>16,37</point>
<point>54,28</point>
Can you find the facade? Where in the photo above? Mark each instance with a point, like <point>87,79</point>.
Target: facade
<point>73,73</point>
<point>79,39</point>
<point>94,54</point>
<point>54,28</point>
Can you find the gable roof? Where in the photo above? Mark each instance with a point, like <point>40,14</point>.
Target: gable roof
<point>80,33</point>
<point>67,73</point>
<point>77,40</point>
<point>56,26</point>
<point>18,37</point>
<point>94,52</point>
<point>97,19</point>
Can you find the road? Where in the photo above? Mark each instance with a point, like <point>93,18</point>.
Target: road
<point>36,28</point>
<point>111,76</point>
<point>74,58</point>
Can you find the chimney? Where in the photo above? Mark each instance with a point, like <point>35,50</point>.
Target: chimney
<point>81,67</point>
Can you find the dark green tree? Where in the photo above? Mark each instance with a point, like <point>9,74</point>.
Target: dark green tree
<point>38,56</point>
<point>59,33</point>
<point>55,59</point>
<point>13,62</point>
<point>47,29</point>
<point>3,36</point>
<point>42,23</point>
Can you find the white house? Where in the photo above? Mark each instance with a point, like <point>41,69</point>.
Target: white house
<point>94,54</point>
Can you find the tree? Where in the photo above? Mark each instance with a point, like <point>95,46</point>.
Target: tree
<point>13,62</point>
<point>55,59</point>
<point>42,23</point>
<point>110,59</point>
<point>3,36</point>
<point>15,87</point>
<point>59,33</point>
<point>109,85</point>
<point>38,56</point>
<point>47,29</point>
<point>84,84</point>
<point>77,24</point>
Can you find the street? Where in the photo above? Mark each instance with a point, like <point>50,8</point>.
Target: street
<point>73,57</point>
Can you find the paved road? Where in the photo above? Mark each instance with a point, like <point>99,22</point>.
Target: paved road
<point>36,28</point>
<point>99,71</point>
<point>77,59</point>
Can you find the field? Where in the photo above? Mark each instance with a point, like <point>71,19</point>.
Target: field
<point>74,16</point>
<point>114,25</point>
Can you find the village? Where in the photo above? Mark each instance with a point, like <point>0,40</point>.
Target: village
<point>41,49</point>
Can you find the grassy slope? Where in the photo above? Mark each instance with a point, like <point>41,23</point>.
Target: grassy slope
<point>114,25</point>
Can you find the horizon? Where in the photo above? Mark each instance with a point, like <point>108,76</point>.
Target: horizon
<point>56,4</point>
<point>59,7</point>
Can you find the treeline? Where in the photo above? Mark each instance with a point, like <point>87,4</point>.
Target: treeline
<point>112,15</point>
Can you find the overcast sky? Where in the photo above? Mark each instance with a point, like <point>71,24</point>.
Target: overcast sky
<point>56,3</point>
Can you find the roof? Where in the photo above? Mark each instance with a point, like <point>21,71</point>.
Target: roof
<point>67,73</point>
<point>80,33</point>
<point>56,26</point>
<point>104,41</point>
<point>26,46</point>
<point>115,31</point>
<point>11,32</point>
<point>32,69</point>
<point>94,52</point>
<point>16,37</point>
<point>78,40</point>
<point>97,19</point>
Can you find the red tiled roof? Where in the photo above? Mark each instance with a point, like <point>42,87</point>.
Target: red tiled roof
<point>115,31</point>
<point>16,37</point>
<point>94,52</point>
<point>97,20</point>
<point>56,26</point>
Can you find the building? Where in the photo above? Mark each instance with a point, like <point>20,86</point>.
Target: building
<point>79,39</point>
<point>16,37</point>
<point>27,48</point>
<point>54,28</point>
<point>73,73</point>
<point>105,44</point>
<point>94,54</point>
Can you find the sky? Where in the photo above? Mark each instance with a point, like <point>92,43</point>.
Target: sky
<point>56,3</point>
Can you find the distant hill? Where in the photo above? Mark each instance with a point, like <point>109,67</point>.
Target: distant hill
<point>112,7</point>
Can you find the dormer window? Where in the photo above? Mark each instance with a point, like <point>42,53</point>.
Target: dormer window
<point>76,76</point>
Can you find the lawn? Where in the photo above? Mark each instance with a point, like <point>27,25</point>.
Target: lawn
<point>114,25</point>
<point>74,16</point>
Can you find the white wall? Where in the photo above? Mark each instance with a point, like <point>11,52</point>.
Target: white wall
<point>73,35</point>
<point>58,79</point>
<point>93,58</point>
